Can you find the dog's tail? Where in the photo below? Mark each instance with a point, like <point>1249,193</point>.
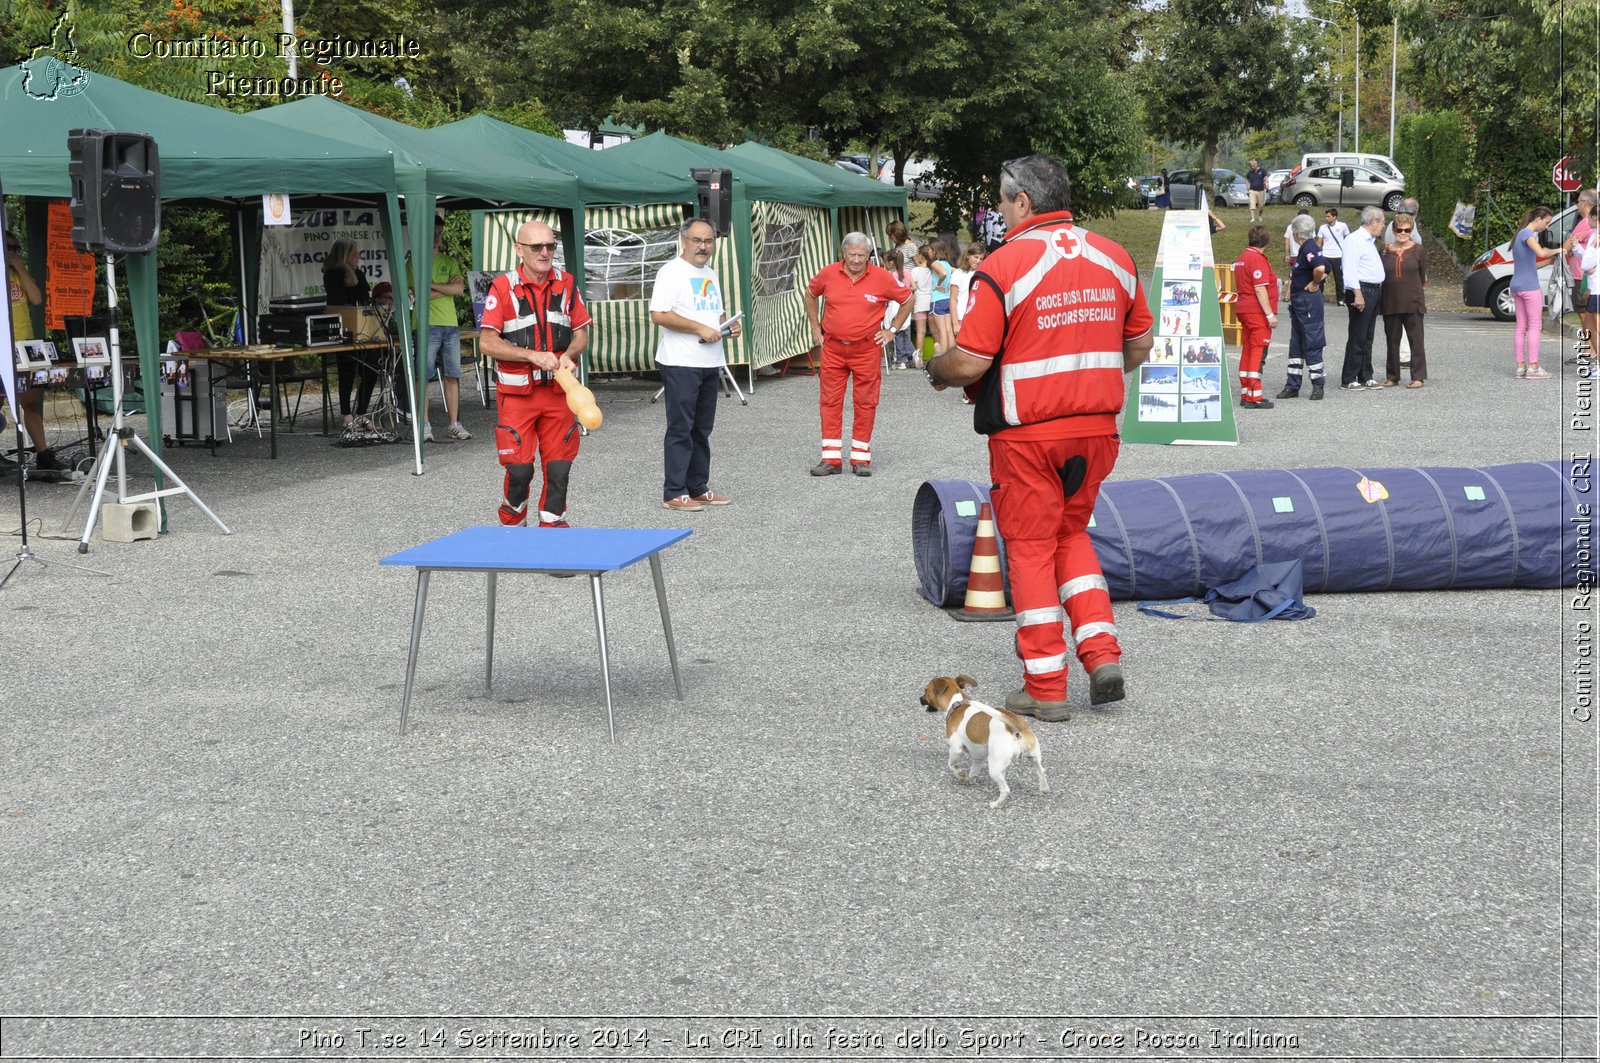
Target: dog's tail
<point>1020,730</point>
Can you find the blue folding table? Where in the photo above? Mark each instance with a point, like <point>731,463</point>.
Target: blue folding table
<point>590,552</point>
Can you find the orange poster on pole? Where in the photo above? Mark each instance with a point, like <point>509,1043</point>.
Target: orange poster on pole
<point>69,280</point>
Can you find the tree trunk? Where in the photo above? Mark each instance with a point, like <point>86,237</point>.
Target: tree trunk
<point>872,160</point>
<point>1208,162</point>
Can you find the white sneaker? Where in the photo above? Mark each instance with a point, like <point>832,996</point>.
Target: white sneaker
<point>458,432</point>
<point>1537,372</point>
<point>427,432</point>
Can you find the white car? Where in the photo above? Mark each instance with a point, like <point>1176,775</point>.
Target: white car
<point>1488,281</point>
<point>920,182</point>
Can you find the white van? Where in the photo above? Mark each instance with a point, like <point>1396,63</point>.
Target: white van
<point>1381,163</point>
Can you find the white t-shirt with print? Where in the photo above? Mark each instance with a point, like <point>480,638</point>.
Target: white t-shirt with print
<point>691,292</point>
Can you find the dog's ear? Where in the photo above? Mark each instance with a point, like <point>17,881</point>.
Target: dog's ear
<point>966,682</point>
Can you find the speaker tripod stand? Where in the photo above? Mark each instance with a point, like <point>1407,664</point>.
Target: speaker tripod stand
<point>120,438</point>
<point>25,552</point>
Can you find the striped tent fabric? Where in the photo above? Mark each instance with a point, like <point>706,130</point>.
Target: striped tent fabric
<point>790,244</point>
<point>869,220</point>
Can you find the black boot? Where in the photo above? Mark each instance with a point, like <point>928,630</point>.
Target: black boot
<point>1289,393</point>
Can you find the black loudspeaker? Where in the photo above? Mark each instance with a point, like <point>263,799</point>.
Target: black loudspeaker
<point>116,191</point>
<point>716,197</point>
<point>1347,178</point>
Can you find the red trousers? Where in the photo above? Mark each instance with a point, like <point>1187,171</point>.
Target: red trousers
<point>1254,336</point>
<point>1054,572</point>
<point>536,427</point>
<point>839,362</point>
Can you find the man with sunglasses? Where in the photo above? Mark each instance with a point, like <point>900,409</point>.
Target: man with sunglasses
<point>1054,320</point>
<point>534,322</point>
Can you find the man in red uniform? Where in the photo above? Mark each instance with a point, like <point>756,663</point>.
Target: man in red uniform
<point>852,345</point>
<point>1054,319</point>
<point>1257,285</point>
<point>534,322</point>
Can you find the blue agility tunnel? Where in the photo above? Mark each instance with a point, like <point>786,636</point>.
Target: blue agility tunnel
<point>944,522</point>
<point>1352,529</point>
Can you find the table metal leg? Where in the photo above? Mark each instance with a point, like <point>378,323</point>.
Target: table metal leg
<point>416,641</point>
<point>272,403</point>
<point>605,659</point>
<point>488,638</point>
<point>666,620</point>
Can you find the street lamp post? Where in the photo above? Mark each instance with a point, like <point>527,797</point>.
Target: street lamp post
<point>1394,65</point>
<point>1335,25</point>
<point>1342,3</point>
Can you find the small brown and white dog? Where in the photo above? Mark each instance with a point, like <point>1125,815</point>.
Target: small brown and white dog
<point>980,730</point>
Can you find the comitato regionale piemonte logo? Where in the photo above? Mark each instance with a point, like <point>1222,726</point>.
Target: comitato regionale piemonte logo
<point>52,73</point>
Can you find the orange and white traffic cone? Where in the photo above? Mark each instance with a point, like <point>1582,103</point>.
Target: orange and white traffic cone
<point>986,589</point>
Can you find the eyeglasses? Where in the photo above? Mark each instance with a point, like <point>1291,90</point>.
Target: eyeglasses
<point>697,241</point>
<point>551,246</point>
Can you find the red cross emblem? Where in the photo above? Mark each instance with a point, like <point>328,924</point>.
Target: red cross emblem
<point>1068,243</point>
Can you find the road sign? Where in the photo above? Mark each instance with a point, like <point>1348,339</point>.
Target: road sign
<point>1564,177</point>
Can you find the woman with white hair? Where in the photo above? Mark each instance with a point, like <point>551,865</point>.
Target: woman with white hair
<point>1307,336</point>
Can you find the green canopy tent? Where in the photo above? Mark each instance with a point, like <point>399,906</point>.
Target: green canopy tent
<point>782,234</point>
<point>860,204</point>
<point>206,154</point>
<point>628,226</point>
<point>427,174</point>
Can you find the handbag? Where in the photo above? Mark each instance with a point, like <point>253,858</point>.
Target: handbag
<point>1274,590</point>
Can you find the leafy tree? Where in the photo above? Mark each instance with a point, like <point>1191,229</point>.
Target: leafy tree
<point>1219,66</point>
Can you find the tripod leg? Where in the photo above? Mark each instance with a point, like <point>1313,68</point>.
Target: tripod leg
<point>103,470</point>
<point>164,467</point>
<point>734,384</point>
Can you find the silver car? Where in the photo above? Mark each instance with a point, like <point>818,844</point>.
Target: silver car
<point>1323,186</point>
<point>1227,189</point>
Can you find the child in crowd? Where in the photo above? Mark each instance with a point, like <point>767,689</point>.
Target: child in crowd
<point>961,282</point>
<point>902,357</point>
<point>922,300</point>
<point>942,265</point>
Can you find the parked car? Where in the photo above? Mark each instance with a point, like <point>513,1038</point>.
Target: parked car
<point>920,182</point>
<point>1149,187</point>
<point>851,167</point>
<point>1381,163</point>
<point>1324,185</point>
<point>864,161</point>
<point>1488,280</point>
<point>1275,185</point>
<point>1228,189</point>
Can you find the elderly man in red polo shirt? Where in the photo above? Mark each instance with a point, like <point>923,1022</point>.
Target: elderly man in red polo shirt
<point>852,334</point>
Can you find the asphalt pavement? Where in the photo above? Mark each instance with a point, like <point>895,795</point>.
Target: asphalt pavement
<point>1371,832</point>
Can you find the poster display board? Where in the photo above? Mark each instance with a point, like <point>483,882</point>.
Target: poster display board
<point>1181,394</point>
<point>69,281</point>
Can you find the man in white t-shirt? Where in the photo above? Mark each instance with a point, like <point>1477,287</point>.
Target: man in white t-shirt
<point>1333,233</point>
<point>687,303</point>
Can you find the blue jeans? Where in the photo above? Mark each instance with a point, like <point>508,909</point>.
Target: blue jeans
<point>691,399</point>
<point>1307,338</point>
<point>444,350</point>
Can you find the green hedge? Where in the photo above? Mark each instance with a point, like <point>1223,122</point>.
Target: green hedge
<point>1433,152</point>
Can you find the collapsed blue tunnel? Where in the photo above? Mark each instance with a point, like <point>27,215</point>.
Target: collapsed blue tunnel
<point>1521,525</point>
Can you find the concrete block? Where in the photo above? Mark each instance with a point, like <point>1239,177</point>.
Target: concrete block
<point>128,522</point>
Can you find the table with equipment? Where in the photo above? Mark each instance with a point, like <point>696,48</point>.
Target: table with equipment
<point>272,356</point>
<point>492,550</point>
